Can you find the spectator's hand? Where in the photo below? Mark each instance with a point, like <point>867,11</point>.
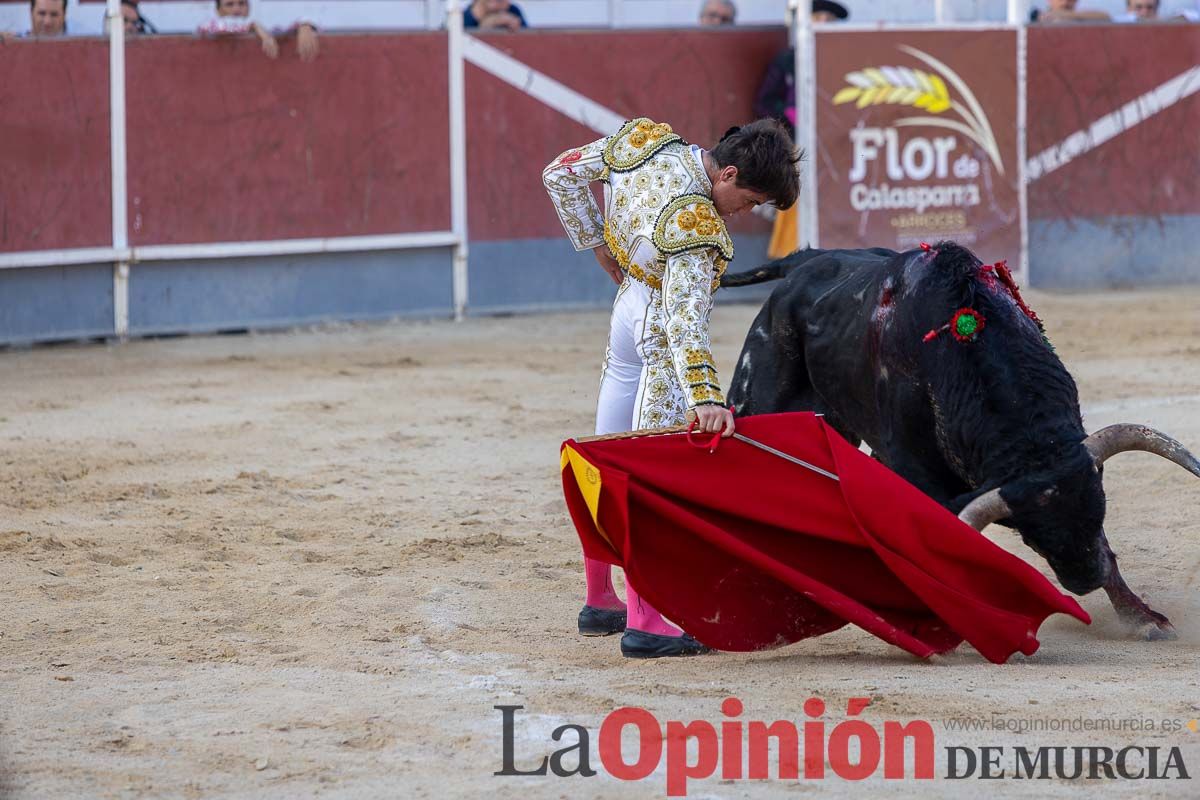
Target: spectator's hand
<point>306,42</point>
<point>1050,15</point>
<point>609,264</point>
<point>7,36</point>
<point>501,20</point>
<point>270,46</point>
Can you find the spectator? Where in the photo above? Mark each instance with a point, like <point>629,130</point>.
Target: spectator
<point>776,95</point>
<point>233,18</point>
<point>828,11</point>
<point>715,13</point>
<point>47,17</point>
<point>135,23</point>
<point>776,98</point>
<point>1147,11</point>
<point>1064,11</point>
<point>493,15</point>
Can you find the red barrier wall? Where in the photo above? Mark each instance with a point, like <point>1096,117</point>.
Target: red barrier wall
<point>225,145</point>
<point>1078,74</point>
<point>55,173</point>
<point>701,82</point>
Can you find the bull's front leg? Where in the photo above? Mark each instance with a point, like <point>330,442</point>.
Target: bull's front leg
<point>1140,618</point>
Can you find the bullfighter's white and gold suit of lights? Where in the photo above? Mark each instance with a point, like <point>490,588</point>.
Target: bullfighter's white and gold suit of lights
<point>663,229</point>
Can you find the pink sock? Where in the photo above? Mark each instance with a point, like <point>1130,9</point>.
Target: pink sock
<point>600,592</point>
<point>643,617</point>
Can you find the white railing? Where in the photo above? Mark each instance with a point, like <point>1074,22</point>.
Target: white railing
<point>121,255</point>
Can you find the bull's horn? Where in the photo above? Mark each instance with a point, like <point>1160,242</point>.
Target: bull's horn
<point>985,509</point>
<point>1107,442</point>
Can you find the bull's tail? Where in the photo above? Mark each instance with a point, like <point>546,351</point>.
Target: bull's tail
<point>773,270</point>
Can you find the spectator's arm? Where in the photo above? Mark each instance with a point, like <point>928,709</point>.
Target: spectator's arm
<point>269,45</point>
<point>1073,16</point>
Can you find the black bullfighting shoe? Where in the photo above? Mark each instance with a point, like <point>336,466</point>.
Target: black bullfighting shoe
<point>600,621</point>
<point>639,644</point>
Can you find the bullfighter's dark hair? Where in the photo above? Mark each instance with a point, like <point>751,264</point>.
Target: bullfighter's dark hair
<point>33,3</point>
<point>765,158</point>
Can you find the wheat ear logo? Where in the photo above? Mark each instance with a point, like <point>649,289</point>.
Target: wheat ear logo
<point>906,86</point>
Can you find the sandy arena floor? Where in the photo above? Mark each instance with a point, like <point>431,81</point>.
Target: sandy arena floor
<point>310,563</point>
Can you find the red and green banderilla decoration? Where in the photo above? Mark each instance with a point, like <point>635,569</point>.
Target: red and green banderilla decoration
<point>964,326</point>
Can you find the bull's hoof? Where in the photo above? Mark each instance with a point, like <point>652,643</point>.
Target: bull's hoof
<point>1143,621</point>
<point>1157,631</point>
<point>1149,625</point>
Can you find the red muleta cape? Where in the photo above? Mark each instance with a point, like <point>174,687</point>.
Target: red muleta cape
<point>747,551</point>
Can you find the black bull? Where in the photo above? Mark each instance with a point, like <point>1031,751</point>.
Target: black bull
<point>986,422</point>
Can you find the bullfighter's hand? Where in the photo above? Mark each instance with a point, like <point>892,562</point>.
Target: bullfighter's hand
<point>712,418</point>
<point>609,264</point>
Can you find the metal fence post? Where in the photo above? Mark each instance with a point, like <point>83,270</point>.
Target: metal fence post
<point>616,13</point>
<point>116,112</point>
<point>458,155</point>
<point>1022,149</point>
<point>806,124</point>
<point>1018,12</point>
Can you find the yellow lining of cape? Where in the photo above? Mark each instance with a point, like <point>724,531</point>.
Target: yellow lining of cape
<point>587,478</point>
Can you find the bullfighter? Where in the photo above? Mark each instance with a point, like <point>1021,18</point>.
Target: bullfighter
<point>662,238</point>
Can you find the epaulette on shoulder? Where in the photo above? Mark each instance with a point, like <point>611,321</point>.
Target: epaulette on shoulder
<point>690,222</point>
<point>637,141</point>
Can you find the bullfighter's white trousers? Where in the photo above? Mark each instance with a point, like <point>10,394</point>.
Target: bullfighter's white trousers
<point>638,389</point>
<point>638,384</point>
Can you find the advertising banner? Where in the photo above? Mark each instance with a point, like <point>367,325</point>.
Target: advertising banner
<point>918,140</point>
